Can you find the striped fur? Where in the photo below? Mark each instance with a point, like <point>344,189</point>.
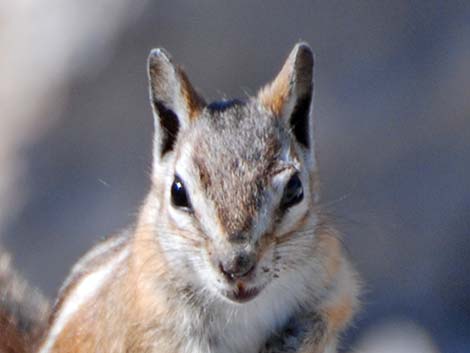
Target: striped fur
<point>90,278</point>
<point>125,299</point>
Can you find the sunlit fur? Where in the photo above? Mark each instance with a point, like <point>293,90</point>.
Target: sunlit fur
<point>160,287</point>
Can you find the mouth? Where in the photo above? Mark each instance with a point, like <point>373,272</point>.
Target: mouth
<point>242,294</point>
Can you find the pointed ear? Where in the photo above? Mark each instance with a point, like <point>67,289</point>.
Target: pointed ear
<point>289,96</point>
<point>174,101</point>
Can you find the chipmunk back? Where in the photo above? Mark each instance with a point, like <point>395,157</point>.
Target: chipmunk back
<point>230,252</point>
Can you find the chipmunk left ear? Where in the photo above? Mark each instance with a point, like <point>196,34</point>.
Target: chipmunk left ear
<point>175,103</point>
<point>290,94</point>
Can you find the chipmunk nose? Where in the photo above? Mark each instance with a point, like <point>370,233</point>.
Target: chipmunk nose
<point>239,265</point>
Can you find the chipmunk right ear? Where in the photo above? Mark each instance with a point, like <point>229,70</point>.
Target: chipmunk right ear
<point>289,95</point>
<point>174,100</point>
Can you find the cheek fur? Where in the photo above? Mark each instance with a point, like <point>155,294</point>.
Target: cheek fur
<point>266,267</point>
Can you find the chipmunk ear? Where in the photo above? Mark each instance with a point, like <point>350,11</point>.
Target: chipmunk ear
<point>174,101</point>
<point>290,94</point>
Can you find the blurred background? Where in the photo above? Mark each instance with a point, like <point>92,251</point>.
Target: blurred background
<point>392,103</point>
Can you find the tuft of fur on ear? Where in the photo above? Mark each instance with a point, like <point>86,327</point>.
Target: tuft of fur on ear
<point>174,100</point>
<point>290,94</point>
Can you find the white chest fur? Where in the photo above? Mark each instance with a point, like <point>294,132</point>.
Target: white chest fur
<point>242,328</point>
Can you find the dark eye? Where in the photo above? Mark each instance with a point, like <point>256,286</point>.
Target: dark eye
<point>293,193</point>
<point>179,197</point>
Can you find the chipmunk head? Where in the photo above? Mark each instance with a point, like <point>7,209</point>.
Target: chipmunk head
<point>234,181</point>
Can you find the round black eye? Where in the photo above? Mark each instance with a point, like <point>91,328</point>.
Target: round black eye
<point>293,193</point>
<point>179,197</point>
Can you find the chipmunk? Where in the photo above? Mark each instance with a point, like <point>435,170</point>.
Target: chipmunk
<point>230,252</point>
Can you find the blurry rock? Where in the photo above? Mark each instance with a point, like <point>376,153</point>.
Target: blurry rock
<point>396,336</point>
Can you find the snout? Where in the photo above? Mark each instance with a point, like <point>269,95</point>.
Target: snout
<point>238,265</point>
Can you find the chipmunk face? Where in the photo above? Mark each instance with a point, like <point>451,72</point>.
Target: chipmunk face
<point>235,180</point>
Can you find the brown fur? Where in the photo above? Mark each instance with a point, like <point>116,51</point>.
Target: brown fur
<point>93,328</point>
<point>274,96</point>
<point>194,101</point>
<point>293,79</point>
<point>23,310</point>
<point>340,313</point>
<point>11,339</point>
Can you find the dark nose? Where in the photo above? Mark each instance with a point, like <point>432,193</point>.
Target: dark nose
<point>237,266</point>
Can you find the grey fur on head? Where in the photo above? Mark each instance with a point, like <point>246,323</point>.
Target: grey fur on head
<point>176,103</point>
<point>236,146</point>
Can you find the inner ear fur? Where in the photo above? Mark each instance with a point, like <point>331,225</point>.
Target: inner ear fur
<point>289,95</point>
<point>175,102</point>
